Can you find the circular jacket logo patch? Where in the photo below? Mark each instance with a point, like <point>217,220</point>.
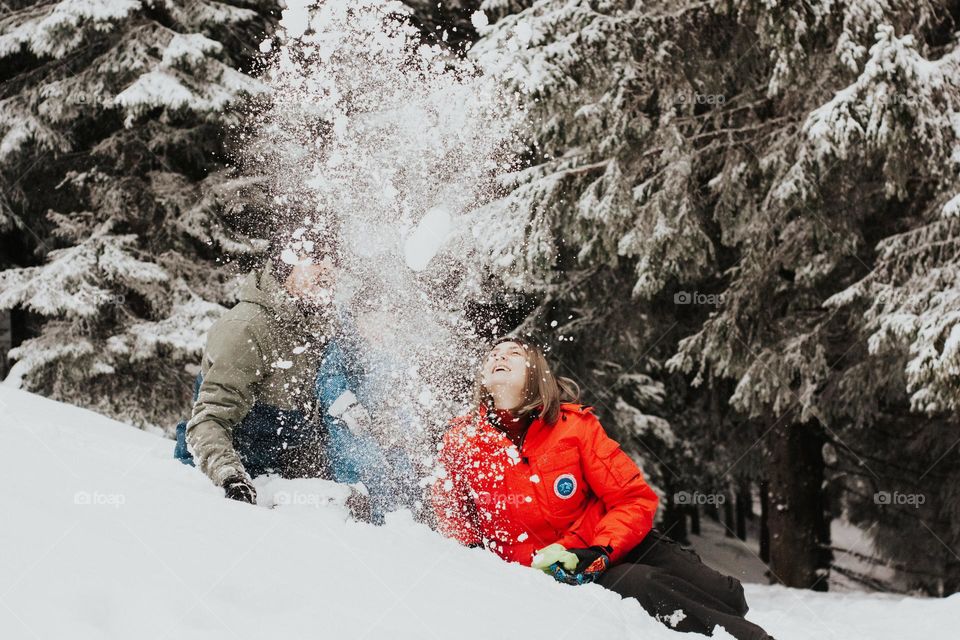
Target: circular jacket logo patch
<point>565,486</point>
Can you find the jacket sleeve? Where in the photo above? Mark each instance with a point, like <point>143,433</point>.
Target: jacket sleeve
<point>234,363</point>
<point>615,478</point>
<point>454,509</point>
<point>332,379</point>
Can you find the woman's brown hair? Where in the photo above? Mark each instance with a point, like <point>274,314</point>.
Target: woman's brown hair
<point>543,391</point>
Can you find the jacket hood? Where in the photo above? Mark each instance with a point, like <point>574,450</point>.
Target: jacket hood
<point>261,287</point>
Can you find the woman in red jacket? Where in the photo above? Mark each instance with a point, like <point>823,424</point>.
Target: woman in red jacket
<point>533,477</point>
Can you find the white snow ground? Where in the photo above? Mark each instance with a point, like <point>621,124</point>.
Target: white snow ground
<point>105,535</point>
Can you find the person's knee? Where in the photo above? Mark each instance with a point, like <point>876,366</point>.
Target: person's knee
<point>724,588</point>
<point>737,598</point>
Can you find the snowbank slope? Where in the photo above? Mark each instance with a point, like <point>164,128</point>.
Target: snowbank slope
<point>104,535</point>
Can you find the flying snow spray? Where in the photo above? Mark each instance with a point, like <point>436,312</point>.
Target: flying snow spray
<point>386,144</point>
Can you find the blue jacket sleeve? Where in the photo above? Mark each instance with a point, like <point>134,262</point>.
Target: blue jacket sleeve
<point>332,376</point>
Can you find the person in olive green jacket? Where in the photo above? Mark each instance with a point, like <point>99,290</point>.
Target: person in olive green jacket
<point>255,410</point>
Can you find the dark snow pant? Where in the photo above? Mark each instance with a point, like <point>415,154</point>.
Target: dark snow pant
<point>666,578</point>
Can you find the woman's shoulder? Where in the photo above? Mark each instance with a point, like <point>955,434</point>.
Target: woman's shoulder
<point>575,408</point>
<point>578,419</point>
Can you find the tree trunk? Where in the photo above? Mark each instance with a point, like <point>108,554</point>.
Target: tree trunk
<point>764,521</point>
<point>6,341</point>
<point>728,518</point>
<point>826,541</point>
<point>744,504</point>
<point>712,512</point>
<point>695,520</point>
<point>795,514</point>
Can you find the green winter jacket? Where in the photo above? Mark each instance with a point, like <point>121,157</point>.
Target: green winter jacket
<point>264,349</point>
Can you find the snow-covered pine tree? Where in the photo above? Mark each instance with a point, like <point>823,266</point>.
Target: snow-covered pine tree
<point>871,160</point>
<point>447,21</point>
<point>750,149</point>
<point>115,195</point>
<point>906,313</point>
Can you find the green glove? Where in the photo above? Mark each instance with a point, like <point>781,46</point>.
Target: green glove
<point>553,554</point>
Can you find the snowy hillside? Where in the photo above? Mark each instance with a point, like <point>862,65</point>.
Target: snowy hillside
<point>106,536</point>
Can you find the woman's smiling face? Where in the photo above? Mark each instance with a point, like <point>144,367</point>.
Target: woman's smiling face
<point>505,368</point>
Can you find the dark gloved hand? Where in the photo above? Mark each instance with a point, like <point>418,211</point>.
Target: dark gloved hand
<point>592,562</point>
<point>572,566</point>
<point>240,489</point>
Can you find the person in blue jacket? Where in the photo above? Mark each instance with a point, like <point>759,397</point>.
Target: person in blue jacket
<point>352,381</point>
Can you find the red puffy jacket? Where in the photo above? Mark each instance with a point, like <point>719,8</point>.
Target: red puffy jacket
<point>567,482</point>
